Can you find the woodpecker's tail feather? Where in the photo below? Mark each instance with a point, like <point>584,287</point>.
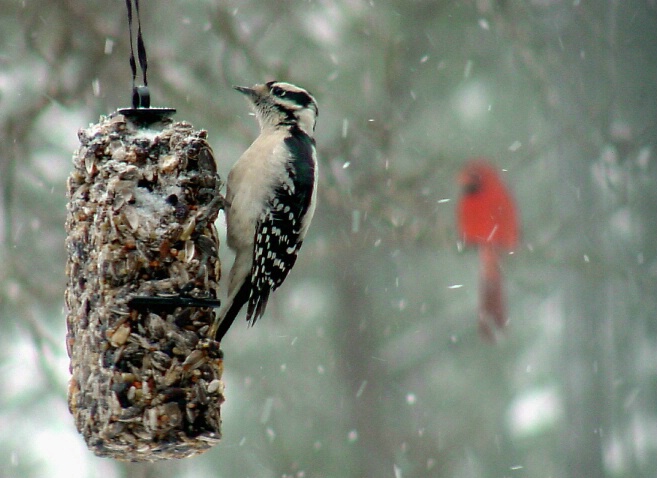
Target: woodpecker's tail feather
<point>257,306</point>
<point>229,312</point>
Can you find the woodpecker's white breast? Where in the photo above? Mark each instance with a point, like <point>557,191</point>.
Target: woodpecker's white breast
<point>250,184</point>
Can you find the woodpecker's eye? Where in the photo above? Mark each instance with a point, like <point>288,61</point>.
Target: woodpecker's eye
<point>278,91</point>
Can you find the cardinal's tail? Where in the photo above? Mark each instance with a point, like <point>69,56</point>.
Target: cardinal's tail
<point>492,304</point>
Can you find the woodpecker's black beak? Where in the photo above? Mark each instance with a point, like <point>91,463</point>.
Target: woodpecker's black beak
<point>245,90</point>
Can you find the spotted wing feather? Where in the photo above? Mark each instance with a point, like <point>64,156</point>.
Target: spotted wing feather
<point>282,225</point>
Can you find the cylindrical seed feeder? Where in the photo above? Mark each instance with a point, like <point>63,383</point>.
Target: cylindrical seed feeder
<point>143,275</point>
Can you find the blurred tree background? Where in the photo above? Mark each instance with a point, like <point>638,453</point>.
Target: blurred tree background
<point>368,363</point>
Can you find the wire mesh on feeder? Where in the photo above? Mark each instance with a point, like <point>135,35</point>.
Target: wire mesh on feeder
<point>143,275</point>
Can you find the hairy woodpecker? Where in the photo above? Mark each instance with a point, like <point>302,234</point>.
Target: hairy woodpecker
<point>270,198</point>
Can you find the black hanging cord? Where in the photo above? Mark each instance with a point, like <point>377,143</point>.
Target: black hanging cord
<point>141,110</point>
<point>141,97</point>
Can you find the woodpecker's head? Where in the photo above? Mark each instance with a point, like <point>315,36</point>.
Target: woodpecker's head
<point>282,104</point>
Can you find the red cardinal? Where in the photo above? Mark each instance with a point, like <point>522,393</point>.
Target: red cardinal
<point>487,218</point>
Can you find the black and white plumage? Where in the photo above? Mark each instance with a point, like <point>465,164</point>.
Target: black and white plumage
<point>270,198</point>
